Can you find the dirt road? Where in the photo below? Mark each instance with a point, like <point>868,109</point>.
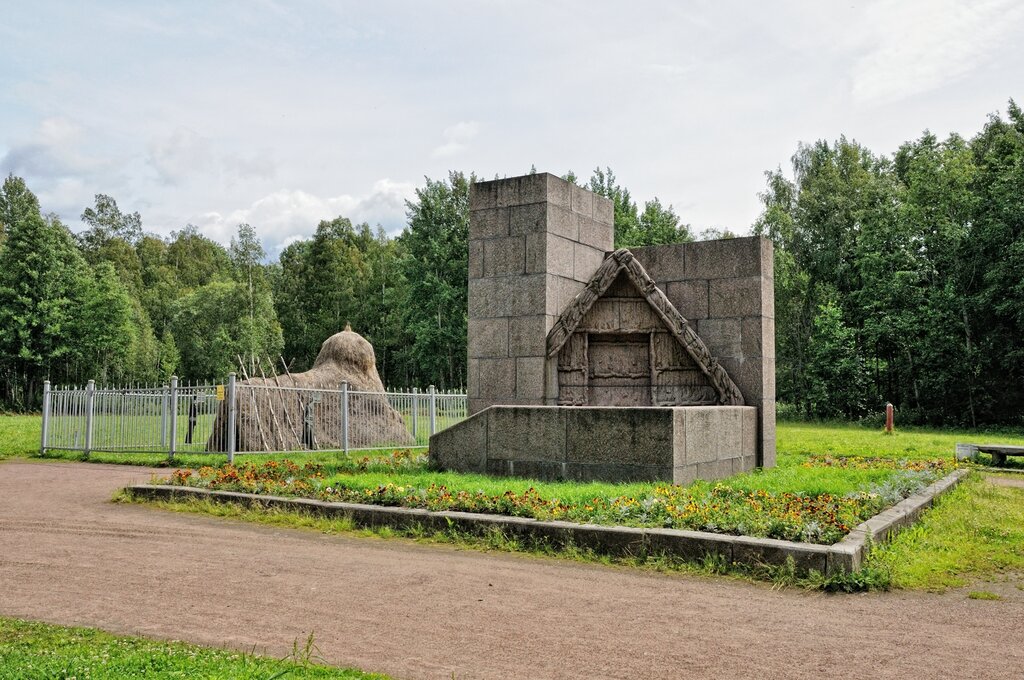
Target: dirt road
<point>67,555</point>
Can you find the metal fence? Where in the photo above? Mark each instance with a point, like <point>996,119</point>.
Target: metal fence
<point>238,418</point>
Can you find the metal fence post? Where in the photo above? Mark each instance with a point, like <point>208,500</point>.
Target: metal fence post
<point>232,414</point>
<point>173,439</point>
<point>433,409</point>
<point>163,417</point>
<point>415,413</point>
<point>344,417</point>
<point>90,401</point>
<point>46,417</point>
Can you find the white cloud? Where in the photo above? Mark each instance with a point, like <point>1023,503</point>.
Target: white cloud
<point>54,162</point>
<point>668,70</point>
<point>285,216</point>
<point>181,154</point>
<point>918,46</point>
<point>457,138</point>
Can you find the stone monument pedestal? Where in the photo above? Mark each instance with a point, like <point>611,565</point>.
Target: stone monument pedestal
<point>608,444</point>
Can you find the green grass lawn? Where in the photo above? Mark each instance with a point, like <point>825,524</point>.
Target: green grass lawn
<point>974,532</point>
<point>912,442</point>
<point>19,436</point>
<point>30,650</point>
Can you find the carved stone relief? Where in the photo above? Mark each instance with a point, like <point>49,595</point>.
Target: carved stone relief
<point>623,350</point>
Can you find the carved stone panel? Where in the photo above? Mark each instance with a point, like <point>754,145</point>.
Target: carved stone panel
<point>603,316</point>
<point>620,370</point>
<point>678,381</point>
<point>622,287</point>
<point>572,371</point>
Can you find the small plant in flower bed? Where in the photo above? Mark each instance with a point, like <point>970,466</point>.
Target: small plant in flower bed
<point>271,477</point>
<point>941,465</point>
<point>399,460</point>
<point>725,507</point>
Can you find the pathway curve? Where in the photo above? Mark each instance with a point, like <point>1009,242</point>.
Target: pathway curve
<point>68,555</point>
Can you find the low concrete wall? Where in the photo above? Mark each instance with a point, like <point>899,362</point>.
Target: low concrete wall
<point>611,444</point>
<point>844,556</point>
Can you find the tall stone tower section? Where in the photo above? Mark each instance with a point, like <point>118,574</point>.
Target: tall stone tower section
<point>534,243</point>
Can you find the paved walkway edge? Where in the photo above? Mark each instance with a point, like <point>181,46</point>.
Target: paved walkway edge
<point>842,557</point>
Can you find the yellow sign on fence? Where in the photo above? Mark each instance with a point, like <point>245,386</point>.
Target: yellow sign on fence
<point>220,393</point>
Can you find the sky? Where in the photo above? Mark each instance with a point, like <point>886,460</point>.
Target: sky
<point>282,114</point>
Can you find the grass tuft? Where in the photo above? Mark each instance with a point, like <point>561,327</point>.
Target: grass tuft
<point>983,595</point>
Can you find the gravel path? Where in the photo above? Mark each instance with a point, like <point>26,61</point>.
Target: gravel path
<point>67,555</point>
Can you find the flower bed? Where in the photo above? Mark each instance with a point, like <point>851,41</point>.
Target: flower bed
<point>723,507</point>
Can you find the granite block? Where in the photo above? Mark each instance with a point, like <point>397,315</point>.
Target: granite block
<point>582,201</point>
<point>724,258</point>
<point>504,256</point>
<point>595,234</point>
<point>586,261</point>
<point>601,435</point>
<point>530,381</point>
<point>559,191</point>
<point>489,223</point>
<point>604,210</point>
<point>722,336</point>
<point>497,378</point>
<point>736,297</point>
<point>476,259</point>
<point>462,446</point>
<point>663,263</point>
<point>560,256</point>
<point>488,337</point>
<point>527,335</point>
<point>700,429</point>
<point>524,434</point>
<point>690,298</point>
<point>528,219</point>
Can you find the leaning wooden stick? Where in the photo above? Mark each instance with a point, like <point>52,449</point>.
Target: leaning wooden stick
<point>255,406</point>
<point>273,412</point>
<point>284,407</point>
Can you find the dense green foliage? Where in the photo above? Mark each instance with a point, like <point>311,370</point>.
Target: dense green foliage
<point>900,279</point>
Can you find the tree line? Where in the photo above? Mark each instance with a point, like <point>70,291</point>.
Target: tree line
<point>898,278</point>
<point>901,278</point>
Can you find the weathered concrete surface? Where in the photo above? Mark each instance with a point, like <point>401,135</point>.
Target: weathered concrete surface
<point>613,444</point>
<point>534,241</point>
<point>726,289</point>
<point>67,555</point>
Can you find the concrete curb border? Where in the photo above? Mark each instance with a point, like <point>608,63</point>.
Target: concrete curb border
<point>845,556</point>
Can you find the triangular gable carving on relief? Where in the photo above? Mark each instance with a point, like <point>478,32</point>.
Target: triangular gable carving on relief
<point>623,262</point>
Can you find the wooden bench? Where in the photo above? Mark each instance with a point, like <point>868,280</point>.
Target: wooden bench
<point>999,452</point>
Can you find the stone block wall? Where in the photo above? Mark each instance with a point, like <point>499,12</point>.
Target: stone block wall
<point>726,290</point>
<point>587,443</point>
<point>534,242</point>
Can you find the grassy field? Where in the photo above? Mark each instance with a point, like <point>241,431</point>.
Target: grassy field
<point>847,439</point>
<point>975,532</point>
<point>30,651</point>
<point>19,436</point>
